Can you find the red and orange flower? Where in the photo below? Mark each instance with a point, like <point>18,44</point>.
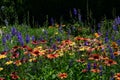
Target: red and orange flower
<point>52,56</point>
<point>62,75</point>
<point>117,76</point>
<point>110,62</point>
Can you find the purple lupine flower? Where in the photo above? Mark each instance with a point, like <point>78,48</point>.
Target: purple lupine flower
<point>86,43</point>
<point>27,38</point>
<point>33,38</point>
<point>3,40</point>
<point>94,65</point>
<point>113,38</point>
<point>54,47</point>
<point>75,11</point>
<point>20,39</point>
<point>88,66</point>
<point>100,67</point>
<point>111,53</point>
<point>99,26</point>
<point>13,31</point>
<point>79,17</point>
<point>58,39</point>
<point>115,28</point>
<point>106,39</point>
<point>8,36</point>
<point>117,21</point>
<point>52,21</point>
<point>107,34</point>
<point>118,42</point>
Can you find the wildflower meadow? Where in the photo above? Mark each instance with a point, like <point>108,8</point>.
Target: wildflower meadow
<point>67,51</point>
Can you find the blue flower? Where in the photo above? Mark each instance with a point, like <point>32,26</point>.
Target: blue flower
<point>27,38</point>
<point>75,11</point>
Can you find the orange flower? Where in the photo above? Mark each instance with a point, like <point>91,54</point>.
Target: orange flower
<point>80,60</point>
<point>96,35</point>
<point>95,70</point>
<point>62,75</point>
<point>116,53</point>
<point>67,42</point>
<point>52,56</point>
<point>18,62</point>
<point>110,62</point>
<point>35,53</point>
<point>104,58</point>
<point>114,45</point>
<point>95,57</point>
<point>117,76</point>
<point>84,70</point>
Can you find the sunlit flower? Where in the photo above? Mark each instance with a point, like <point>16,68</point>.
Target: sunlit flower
<point>32,59</point>
<point>116,53</point>
<point>1,68</point>
<point>18,62</point>
<point>82,48</point>
<point>110,62</point>
<point>95,57</point>
<point>79,38</point>
<point>67,42</point>
<point>117,76</point>
<point>114,45</point>
<point>2,56</point>
<point>52,56</point>
<point>62,75</point>
<point>95,70</point>
<point>35,53</point>
<point>9,62</point>
<point>80,60</point>
<point>96,35</point>
<point>14,76</point>
<point>104,57</point>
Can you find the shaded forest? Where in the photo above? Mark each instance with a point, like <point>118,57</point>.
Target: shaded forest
<point>20,10</point>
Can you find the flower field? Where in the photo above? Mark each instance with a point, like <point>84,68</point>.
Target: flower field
<point>62,51</point>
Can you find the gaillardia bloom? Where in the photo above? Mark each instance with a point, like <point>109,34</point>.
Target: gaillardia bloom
<point>62,75</point>
<point>95,57</point>
<point>117,76</point>
<point>52,56</point>
<point>110,62</point>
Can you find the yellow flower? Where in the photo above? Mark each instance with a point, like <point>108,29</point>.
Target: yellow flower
<point>2,56</point>
<point>97,35</point>
<point>9,62</point>
<point>82,48</point>
<point>1,68</point>
<point>32,59</point>
<point>56,33</point>
<point>18,62</point>
<point>71,53</point>
<point>72,44</point>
